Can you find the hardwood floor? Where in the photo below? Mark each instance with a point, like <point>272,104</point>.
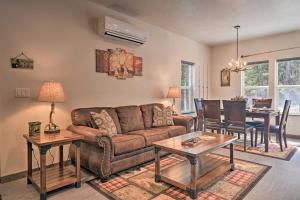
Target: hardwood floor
<point>281,182</point>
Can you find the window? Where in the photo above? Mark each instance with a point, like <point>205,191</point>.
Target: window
<point>288,83</point>
<point>255,81</point>
<point>187,86</point>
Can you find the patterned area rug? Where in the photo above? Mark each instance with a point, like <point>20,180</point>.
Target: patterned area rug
<point>138,183</point>
<point>274,150</point>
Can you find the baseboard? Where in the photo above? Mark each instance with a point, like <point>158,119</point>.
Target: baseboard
<point>19,175</point>
<point>293,136</point>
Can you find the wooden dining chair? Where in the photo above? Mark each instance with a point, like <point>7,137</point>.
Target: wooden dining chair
<point>259,103</point>
<point>235,119</point>
<point>212,115</point>
<point>199,111</point>
<point>279,130</point>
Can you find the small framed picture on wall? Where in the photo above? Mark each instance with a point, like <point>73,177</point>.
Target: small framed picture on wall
<point>225,78</point>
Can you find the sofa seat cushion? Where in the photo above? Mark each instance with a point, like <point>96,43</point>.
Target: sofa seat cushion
<point>151,135</point>
<point>174,131</point>
<point>130,118</point>
<point>123,143</point>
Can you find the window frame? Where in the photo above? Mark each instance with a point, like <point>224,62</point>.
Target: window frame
<point>277,86</point>
<point>190,87</point>
<point>243,87</point>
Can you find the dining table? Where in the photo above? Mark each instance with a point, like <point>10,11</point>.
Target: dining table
<point>266,114</point>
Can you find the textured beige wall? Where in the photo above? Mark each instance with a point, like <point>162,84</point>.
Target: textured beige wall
<point>60,37</point>
<point>221,55</point>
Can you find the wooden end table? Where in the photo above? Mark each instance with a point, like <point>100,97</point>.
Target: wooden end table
<point>199,168</point>
<point>51,178</point>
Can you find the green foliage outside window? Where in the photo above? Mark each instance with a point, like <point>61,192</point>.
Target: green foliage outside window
<point>257,75</point>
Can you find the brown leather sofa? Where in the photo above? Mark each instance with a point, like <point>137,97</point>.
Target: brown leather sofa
<point>104,155</point>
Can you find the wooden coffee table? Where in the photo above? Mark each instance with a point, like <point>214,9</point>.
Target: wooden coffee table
<point>199,168</point>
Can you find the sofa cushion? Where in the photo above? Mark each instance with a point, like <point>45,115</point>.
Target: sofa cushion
<point>82,117</point>
<point>130,118</point>
<point>147,111</point>
<point>127,143</point>
<point>151,135</point>
<point>104,122</point>
<point>174,131</point>
<point>162,117</point>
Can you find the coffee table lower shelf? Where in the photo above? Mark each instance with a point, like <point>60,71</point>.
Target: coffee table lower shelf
<point>56,177</point>
<point>207,170</point>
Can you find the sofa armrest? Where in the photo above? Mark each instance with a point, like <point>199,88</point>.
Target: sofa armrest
<point>103,140</point>
<point>90,134</point>
<point>186,121</point>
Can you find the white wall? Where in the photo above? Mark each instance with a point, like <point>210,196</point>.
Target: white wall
<point>221,55</point>
<point>60,37</point>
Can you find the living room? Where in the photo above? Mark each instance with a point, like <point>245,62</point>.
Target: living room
<point>62,42</point>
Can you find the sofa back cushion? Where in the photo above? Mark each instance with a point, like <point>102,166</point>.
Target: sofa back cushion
<point>82,117</point>
<point>147,111</point>
<point>130,118</point>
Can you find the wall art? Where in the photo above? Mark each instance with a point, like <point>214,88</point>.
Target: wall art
<point>225,78</point>
<point>21,61</point>
<point>118,63</point>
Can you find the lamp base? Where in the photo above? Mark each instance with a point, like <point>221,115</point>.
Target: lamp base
<point>51,128</point>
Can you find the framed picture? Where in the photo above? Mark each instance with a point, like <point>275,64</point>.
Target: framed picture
<point>225,78</point>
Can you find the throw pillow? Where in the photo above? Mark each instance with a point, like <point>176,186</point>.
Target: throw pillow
<point>104,122</point>
<point>162,117</point>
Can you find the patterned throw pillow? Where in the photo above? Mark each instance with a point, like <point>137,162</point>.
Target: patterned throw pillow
<point>104,122</point>
<point>162,117</point>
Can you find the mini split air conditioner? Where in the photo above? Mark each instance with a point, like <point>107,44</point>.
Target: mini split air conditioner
<point>114,28</point>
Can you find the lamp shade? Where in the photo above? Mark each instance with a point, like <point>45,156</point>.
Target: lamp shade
<point>51,91</point>
<point>174,92</point>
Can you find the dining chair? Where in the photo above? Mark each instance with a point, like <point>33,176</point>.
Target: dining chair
<point>259,103</point>
<point>199,111</point>
<point>279,130</point>
<point>235,119</point>
<point>212,115</point>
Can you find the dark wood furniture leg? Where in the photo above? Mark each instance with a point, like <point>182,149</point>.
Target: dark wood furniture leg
<point>266,132</point>
<point>192,190</point>
<point>43,188</point>
<point>29,162</point>
<point>231,157</point>
<point>77,164</point>
<point>61,156</point>
<point>157,164</point>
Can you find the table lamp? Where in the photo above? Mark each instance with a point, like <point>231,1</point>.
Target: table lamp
<point>51,91</point>
<point>174,92</point>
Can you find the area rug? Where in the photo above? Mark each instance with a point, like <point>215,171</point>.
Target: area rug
<point>138,183</point>
<point>274,150</point>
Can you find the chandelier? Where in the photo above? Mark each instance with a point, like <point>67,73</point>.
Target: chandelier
<point>237,65</point>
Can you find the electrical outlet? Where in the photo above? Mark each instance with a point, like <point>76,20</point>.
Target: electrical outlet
<point>22,92</point>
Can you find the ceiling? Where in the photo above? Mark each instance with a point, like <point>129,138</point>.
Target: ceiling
<point>211,21</point>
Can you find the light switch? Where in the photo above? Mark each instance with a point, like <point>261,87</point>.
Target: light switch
<point>22,92</point>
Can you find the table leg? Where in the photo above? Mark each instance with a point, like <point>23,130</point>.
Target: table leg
<point>231,156</point>
<point>61,156</point>
<point>77,164</point>
<point>43,188</point>
<point>157,164</point>
<point>266,132</point>
<point>29,162</point>
<point>192,190</point>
